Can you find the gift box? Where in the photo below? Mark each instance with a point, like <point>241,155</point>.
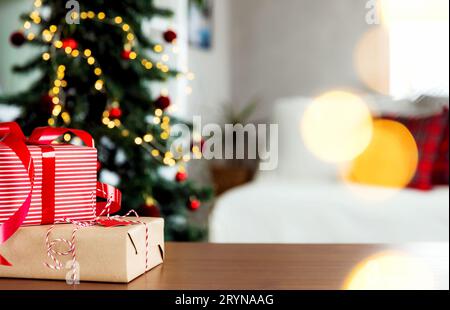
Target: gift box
<point>73,178</point>
<point>43,183</point>
<point>103,254</point>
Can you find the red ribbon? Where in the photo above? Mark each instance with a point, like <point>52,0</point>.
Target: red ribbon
<point>15,140</point>
<point>47,135</point>
<point>48,185</point>
<point>113,196</point>
<point>43,137</point>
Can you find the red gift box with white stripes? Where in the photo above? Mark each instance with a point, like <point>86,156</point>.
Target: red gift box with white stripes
<point>75,183</point>
<point>46,183</point>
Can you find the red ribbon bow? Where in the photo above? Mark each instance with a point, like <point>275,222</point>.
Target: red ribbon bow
<point>11,136</point>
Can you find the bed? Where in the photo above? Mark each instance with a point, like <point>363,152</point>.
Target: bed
<point>302,201</point>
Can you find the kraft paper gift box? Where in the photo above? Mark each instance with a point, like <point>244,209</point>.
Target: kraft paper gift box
<point>104,254</point>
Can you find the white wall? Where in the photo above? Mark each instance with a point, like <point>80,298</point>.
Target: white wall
<point>283,48</point>
<point>212,86</point>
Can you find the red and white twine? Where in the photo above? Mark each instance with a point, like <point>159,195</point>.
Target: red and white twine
<point>51,244</point>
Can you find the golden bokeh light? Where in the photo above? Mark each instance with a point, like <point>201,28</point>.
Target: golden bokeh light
<point>390,271</point>
<point>337,126</point>
<point>371,59</point>
<point>390,160</point>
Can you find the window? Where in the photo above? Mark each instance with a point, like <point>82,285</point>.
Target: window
<point>419,47</point>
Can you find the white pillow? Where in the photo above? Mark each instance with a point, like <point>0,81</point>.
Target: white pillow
<point>421,107</point>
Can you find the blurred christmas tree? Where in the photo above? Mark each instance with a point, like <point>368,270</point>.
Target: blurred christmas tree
<point>96,76</point>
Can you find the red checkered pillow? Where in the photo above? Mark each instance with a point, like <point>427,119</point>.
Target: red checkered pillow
<point>428,133</point>
<point>441,166</point>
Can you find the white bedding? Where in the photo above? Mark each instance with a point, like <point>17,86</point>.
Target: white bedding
<point>302,201</point>
<point>277,211</point>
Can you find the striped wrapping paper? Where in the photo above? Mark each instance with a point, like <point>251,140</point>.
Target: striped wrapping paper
<point>75,183</point>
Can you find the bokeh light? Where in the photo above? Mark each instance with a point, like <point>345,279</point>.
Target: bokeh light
<point>371,59</point>
<point>394,11</point>
<point>337,126</point>
<point>390,271</point>
<point>390,160</point>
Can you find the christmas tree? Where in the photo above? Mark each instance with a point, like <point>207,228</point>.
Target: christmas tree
<point>97,67</point>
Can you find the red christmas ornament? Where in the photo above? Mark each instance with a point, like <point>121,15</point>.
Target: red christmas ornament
<point>125,54</point>
<point>47,103</point>
<point>181,176</point>
<point>170,36</point>
<point>17,38</point>
<point>149,211</point>
<point>194,204</point>
<point>69,42</point>
<point>163,102</point>
<point>115,113</point>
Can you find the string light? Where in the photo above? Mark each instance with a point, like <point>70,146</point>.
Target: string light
<point>165,135</point>
<point>148,138</point>
<point>165,69</point>
<point>56,110</point>
<point>59,83</point>
<point>111,125</point>
<point>91,60</point>
<point>99,85</point>
<point>75,53</point>
<point>138,141</point>
<point>158,48</point>
<point>66,117</point>
<point>74,15</point>
<point>58,44</point>
<point>165,58</point>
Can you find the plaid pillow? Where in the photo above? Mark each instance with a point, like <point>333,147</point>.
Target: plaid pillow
<point>428,133</point>
<point>441,166</point>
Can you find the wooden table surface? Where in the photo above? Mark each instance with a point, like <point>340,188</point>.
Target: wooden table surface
<point>273,267</point>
